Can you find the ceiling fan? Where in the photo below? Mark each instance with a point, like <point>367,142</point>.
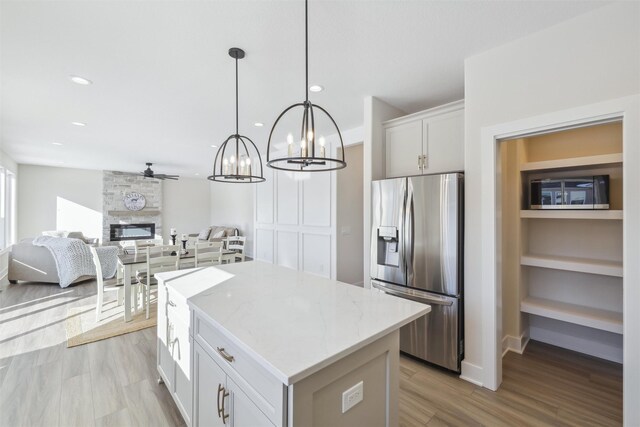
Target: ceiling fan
<point>148,173</point>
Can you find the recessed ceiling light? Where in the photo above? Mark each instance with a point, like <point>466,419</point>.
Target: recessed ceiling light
<point>80,80</point>
<point>56,143</point>
<point>258,124</point>
<point>78,124</point>
<point>316,88</point>
<point>214,146</point>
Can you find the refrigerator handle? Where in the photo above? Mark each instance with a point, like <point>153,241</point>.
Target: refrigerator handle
<point>413,294</point>
<point>408,232</point>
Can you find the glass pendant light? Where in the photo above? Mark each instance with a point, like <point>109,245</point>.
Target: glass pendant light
<point>238,159</point>
<point>299,139</point>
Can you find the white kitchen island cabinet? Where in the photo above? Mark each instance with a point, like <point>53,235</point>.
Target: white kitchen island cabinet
<point>271,346</point>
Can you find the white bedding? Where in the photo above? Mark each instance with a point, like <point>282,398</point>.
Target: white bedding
<point>73,258</point>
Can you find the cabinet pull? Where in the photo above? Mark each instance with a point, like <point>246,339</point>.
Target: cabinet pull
<point>171,303</point>
<point>229,358</point>
<point>424,161</point>
<point>420,162</point>
<point>222,394</point>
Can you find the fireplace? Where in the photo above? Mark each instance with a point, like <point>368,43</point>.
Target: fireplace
<point>121,232</point>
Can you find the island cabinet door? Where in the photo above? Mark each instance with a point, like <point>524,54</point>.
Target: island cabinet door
<point>244,413</point>
<point>211,397</point>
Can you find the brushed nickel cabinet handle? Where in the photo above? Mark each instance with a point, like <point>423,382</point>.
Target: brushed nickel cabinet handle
<point>420,162</point>
<point>220,409</point>
<point>225,394</point>
<point>229,358</point>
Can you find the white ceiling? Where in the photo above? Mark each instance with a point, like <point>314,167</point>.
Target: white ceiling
<point>163,83</point>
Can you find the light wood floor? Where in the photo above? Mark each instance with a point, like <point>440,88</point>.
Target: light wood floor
<point>113,382</point>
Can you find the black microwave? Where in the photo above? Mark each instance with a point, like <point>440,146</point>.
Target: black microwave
<point>591,192</point>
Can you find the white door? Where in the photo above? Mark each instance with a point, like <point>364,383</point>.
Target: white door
<point>444,143</point>
<point>244,412</point>
<point>403,145</point>
<point>210,391</point>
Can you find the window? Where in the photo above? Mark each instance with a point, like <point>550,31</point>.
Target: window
<point>7,208</point>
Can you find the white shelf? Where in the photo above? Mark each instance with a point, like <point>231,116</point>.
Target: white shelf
<point>605,320</point>
<point>573,162</point>
<point>572,214</point>
<point>582,265</point>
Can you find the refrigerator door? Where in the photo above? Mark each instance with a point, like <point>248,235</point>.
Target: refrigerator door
<point>435,337</point>
<point>388,260</point>
<point>434,234</point>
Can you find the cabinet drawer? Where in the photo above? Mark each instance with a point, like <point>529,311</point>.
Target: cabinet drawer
<point>177,307</point>
<point>264,390</point>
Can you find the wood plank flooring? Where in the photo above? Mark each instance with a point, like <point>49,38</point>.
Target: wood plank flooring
<point>113,382</point>
<point>546,386</point>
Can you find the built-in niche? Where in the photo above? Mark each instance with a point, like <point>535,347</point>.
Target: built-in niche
<point>562,268</point>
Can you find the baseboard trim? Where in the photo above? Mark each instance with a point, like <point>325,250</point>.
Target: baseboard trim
<point>515,344</point>
<point>471,373</point>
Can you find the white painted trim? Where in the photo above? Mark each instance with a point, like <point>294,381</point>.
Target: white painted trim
<point>627,109</point>
<point>471,373</point>
<point>425,114</point>
<point>515,344</point>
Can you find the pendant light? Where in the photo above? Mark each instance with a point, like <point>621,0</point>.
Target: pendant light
<point>238,159</point>
<point>300,143</point>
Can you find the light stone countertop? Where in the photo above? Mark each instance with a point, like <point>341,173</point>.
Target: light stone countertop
<point>292,323</point>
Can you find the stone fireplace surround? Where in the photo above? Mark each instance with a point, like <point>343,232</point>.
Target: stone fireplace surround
<point>114,187</point>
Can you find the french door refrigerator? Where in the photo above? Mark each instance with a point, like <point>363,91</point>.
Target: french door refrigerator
<point>416,253</point>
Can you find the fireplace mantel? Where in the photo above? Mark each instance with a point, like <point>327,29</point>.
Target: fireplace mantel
<point>144,212</point>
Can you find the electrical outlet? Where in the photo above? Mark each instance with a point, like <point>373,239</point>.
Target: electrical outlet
<point>352,397</point>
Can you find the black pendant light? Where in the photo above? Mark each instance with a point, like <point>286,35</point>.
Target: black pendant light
<point>311,152</point>
<point>238,159</point>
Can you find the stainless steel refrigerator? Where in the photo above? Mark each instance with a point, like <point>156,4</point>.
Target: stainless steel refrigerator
<point>416,253</point>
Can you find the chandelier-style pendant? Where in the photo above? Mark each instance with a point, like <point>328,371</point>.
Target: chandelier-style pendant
<point>302,143</point>
<point>238,159</point>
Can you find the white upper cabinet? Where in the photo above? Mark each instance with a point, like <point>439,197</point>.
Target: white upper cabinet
<point>427,142</point>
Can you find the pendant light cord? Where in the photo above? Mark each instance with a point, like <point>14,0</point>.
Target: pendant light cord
<point>306,49</point>
<point>237,132</point>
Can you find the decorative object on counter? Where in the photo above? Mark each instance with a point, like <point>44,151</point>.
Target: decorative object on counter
<point>312,154</point>
<point>134,201</point>
<point>240,167</point>
<point>173,235</point>
<point>184,240</point>
<point>148,173</point>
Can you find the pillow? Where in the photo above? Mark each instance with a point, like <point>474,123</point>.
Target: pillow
<point>204,234</point>
<point>218,233</point>
<point>75,235</point>
<point>54,233</point>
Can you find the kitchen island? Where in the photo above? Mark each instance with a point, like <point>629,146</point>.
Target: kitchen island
<point>258,344</point>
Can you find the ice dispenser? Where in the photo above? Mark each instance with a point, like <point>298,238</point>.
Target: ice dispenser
<point>388,246</point>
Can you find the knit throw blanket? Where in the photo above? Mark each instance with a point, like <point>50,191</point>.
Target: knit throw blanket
<point>73,258</point>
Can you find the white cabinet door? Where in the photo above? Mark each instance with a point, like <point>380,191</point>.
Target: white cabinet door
<point>244,413</point>
<point>444,143</point>
<point>209,379</point>
<point>181,351</point>
<point>403,145</point>
<point>164,360</point>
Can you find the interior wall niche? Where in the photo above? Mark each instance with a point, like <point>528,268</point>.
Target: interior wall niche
<point>562,268</point>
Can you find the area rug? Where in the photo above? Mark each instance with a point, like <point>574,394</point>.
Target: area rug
<point>82,328</point>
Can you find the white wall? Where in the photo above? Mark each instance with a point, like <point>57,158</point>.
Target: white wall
<point>589,59</point>
<point>349,240</point>
<point>232,205</point>
<point>51,198</point>
<point>186,206</point>
<point>295,221</point>
<point>376,111</point>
